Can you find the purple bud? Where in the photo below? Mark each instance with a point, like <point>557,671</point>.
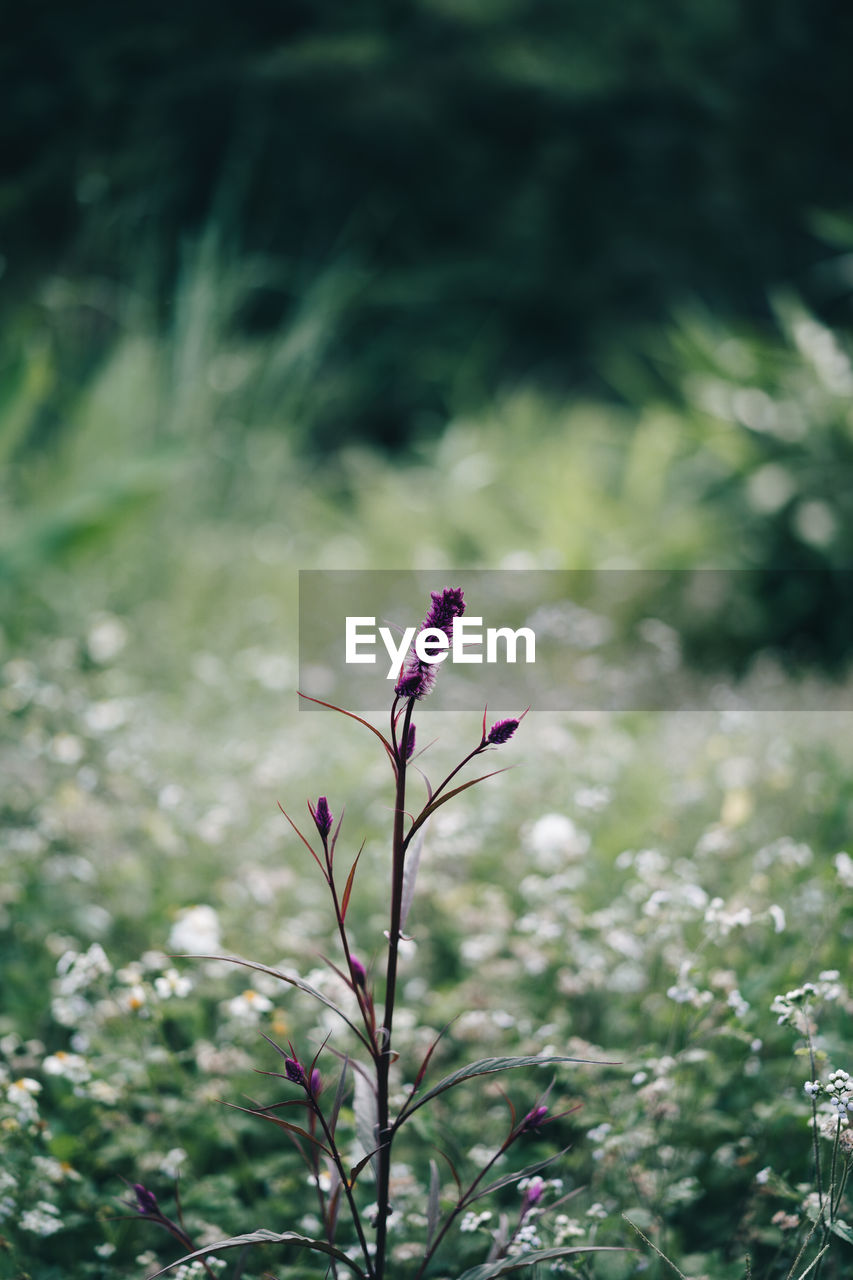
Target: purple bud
<point>322,816</point>
<point>146,1201</point>
<point>501,732</point>
<point>315,1083</point>
<point>534,1119</point>
<point>533,1193</point>
<point>410,743</point>
<point>358,972</point>
<point>294,1070</point>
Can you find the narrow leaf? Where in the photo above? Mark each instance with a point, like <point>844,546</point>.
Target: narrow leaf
<point>432,1202</point>
<point>262,1236</point>
<point>490,1066</point>
<point>505,1265</point>
<point>348,887</point>
<point>366,1113</point>
<point>340,1094</point>
<point>302,838</point>
<point>429,809</point>
<point>283,977</point>
<point>381,736</point>
<point>334,1198</point>
<point>510,1178</point>
<point>422,1070</point>
<point>335,834</point>
<point>410,874</point>
<point>357,1168</point>
<point>263,1114</point>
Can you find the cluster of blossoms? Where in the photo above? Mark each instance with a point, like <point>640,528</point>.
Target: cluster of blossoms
<point>77,971</point>
<point>838,1091</point>
<point>42,1220</point>
<point>790,1007</point>
<point>21,1096</point>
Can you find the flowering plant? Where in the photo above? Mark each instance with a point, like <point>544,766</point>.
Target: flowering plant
<point>360,1247</point>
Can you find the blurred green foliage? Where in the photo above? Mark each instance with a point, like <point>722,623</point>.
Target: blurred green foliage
<point>180,471</point>
<point>497,189</point>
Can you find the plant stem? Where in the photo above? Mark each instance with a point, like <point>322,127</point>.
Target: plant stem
<point>353,1208</point>
<point>815,1134</point>
<point>369,1024</point>
<point>383,1061</point>
<point>463,1202</point>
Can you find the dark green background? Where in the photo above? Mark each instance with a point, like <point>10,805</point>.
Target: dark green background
<point>514,185</point>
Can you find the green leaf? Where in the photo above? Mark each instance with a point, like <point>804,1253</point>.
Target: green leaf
<point>505,1265</point>
<point>508,1179</point>
<point>840,1228</point>
<point>488,1067</point>
<point>262,1236</point>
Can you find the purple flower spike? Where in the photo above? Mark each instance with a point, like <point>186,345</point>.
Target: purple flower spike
<point>534,1119</point>
<point>416,681</point>
<point>446,605</point>
<point>501,732</point>
<point>358,971</point>
<point>322,816</point>
<point>146,1201</point>
<point>417,678</point>
<point>294,1070</point>
<point>410,743</point>
<point>315,1083</point>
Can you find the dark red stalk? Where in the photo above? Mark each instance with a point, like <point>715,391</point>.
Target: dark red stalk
<point>383,1062</point>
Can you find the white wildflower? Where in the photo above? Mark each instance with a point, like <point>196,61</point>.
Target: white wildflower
<point>196,931</point>
<point>70,1066</point>
<point>171,1163</point>
<point>172,983</point>
<point>248,1006</point>
<point>43,1220</point>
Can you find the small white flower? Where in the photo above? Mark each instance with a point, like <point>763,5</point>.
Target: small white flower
<point>134,999</point>
<point>43,1220</point>
<point>196,931</point>
<point>777,915</point>
<point>21,1094</point>
<point>171,1163</point>
<point>172,983</point>
<point>737,1004</point>
<point>69,1066</point>
<point>104,1092</point>
<point>249,1006</point>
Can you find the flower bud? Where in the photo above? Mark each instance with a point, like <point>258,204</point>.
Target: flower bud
<point>534,1119</point>
<point>501,732</point>
<point>533,1193</point>
<point>294,1070</point>
<point>322,816</point>
<point>146,1201</point>
<point>358,972</point>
